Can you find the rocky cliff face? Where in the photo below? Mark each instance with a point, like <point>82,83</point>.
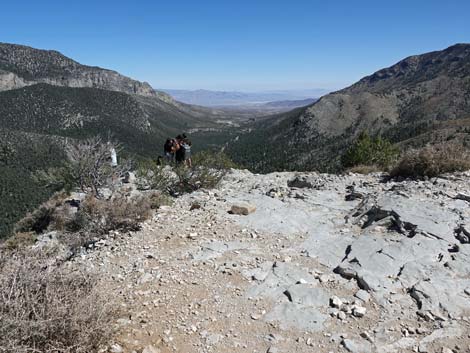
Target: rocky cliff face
<point>23,66</point>
<point>428,87</point>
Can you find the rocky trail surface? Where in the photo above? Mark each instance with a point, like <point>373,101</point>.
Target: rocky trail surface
<point>323,264</point>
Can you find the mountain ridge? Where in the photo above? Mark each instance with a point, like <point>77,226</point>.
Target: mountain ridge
<point>399,103</point>
<point>22,65</point>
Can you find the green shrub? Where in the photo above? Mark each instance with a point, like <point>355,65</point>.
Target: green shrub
<point>213,159</point>
<point>151,175</point>
<point>207,171</point>
<point>432,161</point>
<point>369,151</point>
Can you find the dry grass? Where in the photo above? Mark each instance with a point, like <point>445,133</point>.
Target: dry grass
<point>45,308</point>
<point>432,161</point>
<point>365,169</point>
<point>158,199</point>
<point>19,241</point>
<point>40,219</point>
<point>95,216</point>
<point>121,212</point>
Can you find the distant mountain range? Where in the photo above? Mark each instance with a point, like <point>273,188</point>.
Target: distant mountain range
<point>243,99</point>
<point>423,98</point>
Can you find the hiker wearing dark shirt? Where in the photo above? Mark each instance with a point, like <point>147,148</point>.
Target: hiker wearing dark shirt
<point>179,153</point>
<point>168,150</point>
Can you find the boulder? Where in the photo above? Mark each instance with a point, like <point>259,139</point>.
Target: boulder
<point>462,234</point>
<point>306,182</point>
<point>359,311</point>
<point>335,302</point>
<point>116,348</point>
<point>362,295</point>
<point>129,178</point>
<point>242,209</point>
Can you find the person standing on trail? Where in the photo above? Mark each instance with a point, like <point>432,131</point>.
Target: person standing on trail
<point>168,152</point>
<point>179,153</point>
<point>186,146</point>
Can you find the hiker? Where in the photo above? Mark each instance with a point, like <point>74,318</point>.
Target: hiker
<point>179,153</point>
<point>168,150</point>
<point>186,146</point>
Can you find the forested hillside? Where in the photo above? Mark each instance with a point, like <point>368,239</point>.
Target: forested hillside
<point>405,103</point>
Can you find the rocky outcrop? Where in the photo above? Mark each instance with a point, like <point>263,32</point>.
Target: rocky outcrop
<point>311,270</point>
<point>22,66</point>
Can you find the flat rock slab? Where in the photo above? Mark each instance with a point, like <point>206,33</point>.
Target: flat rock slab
<point>280,277</point>
<point>306,295</point>
<point>427,215</point>
<point>354,346</point>
<point>295,316</point>
<point>216,249</point>
<point>440,334</point>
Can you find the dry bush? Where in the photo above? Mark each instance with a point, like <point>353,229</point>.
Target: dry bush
<point>19,241</point>
<point>364,169</point>
<point>432,161</point>
<point>158,199</point>
<point>40,219</point>
<point>95,216</point>
<point>50,309</point>
<point>88,167</point>
<point>121,212</point>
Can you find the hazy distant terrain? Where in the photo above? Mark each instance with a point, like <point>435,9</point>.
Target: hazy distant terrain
<point>234,98</point>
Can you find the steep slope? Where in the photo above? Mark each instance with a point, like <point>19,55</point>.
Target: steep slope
<point>408,99</point>
<point>35,120</point>
<point>141,123</point>
<point>46,97</point>
<point>21,155</point>
<point>23,66</point>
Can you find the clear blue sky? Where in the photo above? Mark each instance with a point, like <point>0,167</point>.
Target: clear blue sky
<point>244,45</point>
